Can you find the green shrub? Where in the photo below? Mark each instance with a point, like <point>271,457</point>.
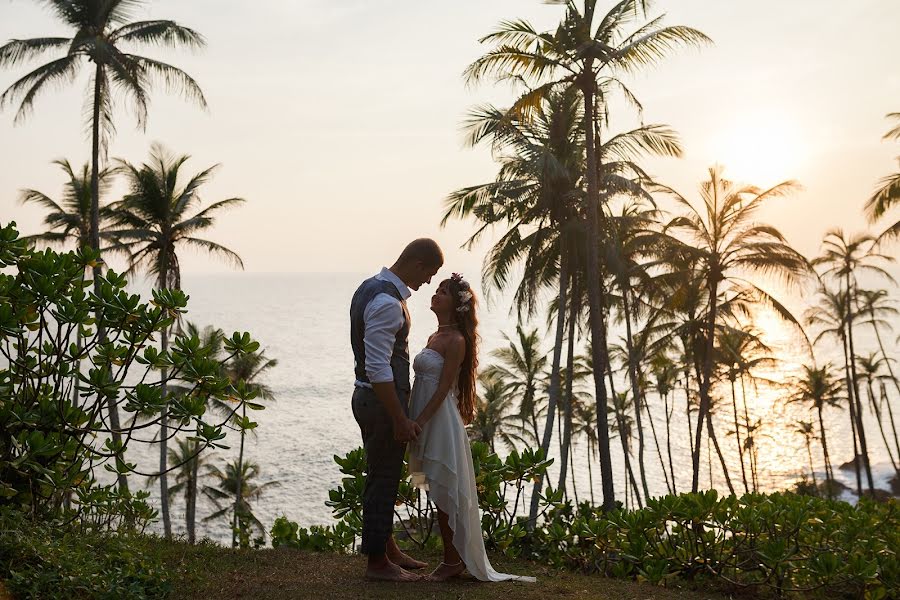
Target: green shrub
<point>782,542</point>
<point>72,350</point>
<point>49,561</point>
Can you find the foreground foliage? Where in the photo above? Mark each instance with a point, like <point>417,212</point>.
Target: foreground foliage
<point>782,543</point>
<point>49,561</point>
<point>75,361</point>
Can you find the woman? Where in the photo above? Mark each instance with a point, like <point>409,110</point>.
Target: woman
<point>442,402</point>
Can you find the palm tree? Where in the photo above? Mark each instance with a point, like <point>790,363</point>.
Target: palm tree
<point>245,371</point>
<point>519,366</point>
<point>188,459</point>
<point>729,245</point>
<point>493,420</point>
<point>100,31</point>
<point>240,483</point>
<point>587,57</point>
<point>888,192</point>
<point>842,258</point>
<point>534,195</point>
<point>870,369</point>
<point>151,224</point>
<point>819,388</point>
<point>665,376</point>
<point>738,352</point>
<point>69,219</point>
<point>879,308</point>
<point>829,316</point>
<point>808,431</point>
<point>584,424</point>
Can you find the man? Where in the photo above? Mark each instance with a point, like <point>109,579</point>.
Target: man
<point>379,334</point>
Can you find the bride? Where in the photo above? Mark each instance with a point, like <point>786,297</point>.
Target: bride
<point>442,402</point>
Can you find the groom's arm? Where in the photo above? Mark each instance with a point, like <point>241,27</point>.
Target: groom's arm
<point>383,318</point>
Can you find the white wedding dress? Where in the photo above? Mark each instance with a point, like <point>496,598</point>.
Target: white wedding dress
<point>440,462</point>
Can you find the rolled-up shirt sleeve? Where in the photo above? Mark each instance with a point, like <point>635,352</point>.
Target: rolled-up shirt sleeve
<point>383,318</point>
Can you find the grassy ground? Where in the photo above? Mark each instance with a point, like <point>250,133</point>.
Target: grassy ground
<point>207,571</point>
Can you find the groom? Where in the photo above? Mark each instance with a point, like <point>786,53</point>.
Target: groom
<point>379,334</point>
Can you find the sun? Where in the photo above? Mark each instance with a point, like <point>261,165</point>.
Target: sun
<point>761,149</point>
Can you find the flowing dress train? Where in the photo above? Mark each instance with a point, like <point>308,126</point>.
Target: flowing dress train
<point>440,462</point>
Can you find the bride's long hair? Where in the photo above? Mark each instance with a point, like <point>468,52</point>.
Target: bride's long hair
<point>466,319</point>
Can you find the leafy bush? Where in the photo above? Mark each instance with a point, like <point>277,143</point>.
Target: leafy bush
<point>70,354</point>
<point>782,542</point>
<point>43,560</point>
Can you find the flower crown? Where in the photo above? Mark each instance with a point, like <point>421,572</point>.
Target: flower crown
<point>465,295</point>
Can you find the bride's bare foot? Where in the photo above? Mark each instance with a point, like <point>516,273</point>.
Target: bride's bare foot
<point>388,571</point>
<point>445,571</point>
<point>406,561</point>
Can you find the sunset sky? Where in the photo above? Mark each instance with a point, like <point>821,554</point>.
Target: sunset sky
<point>339,120</point>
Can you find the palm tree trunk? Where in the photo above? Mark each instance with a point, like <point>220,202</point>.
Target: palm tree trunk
<point>572,470</point>
<point>886,401</point>
<point>687,406</point>
<point>829,476</point>
<point>164,416</point>
<point>590,471</point>
<point>635,391</point>
<point>706,377</point>
<point>238,488</point>
<point>662,462</point>
<point>567,417</point>
<point>712,436</point>
<point>192,505</point>
<point>598,337</point>
<point>554,377</point>
<point>812,470</point>
<point>877,413</point>
<point>863,445</point>
<point>94,237</point>
<point>669,438</point>
<point>626,451</point>
<point>887,362</point>
<point>852,405</point>
<point>737,434</point>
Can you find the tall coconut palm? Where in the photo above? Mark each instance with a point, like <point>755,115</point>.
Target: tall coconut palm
<point>665,376</point>
<point>842,258</point>
<point>232,482</point>
<point>535,196</point>
<point>68,221</point>
<point>871,372</point>
<point>738,353</point>
<point>246,371</point>
<point>888,193</point>
<point>829,316</point>
<point>494,419</point>
<point>156,219</point>
<point>188,458</point>
<point>878,309</point>
<point>586,55</point>
<point>101,32</point>
<point>519,365</point>
<point>731,245</point>
<point>808,431</point>
<point>819,388</point>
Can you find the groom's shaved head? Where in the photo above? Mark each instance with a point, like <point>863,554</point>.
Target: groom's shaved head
<point>422,250</point>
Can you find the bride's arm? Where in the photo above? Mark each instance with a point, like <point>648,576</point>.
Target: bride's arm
<point>452,362</point>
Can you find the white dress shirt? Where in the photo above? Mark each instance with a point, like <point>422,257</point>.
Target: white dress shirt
<point>383,318</point>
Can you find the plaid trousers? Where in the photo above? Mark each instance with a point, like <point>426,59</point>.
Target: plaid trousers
<point>384,463</point>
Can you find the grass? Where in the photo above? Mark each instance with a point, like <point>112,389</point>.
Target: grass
<point>211,571</point>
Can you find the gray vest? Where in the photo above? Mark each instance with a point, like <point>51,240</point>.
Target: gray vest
<point>367,292</point>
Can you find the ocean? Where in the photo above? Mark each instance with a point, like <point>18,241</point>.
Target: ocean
<point>302,320</point>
